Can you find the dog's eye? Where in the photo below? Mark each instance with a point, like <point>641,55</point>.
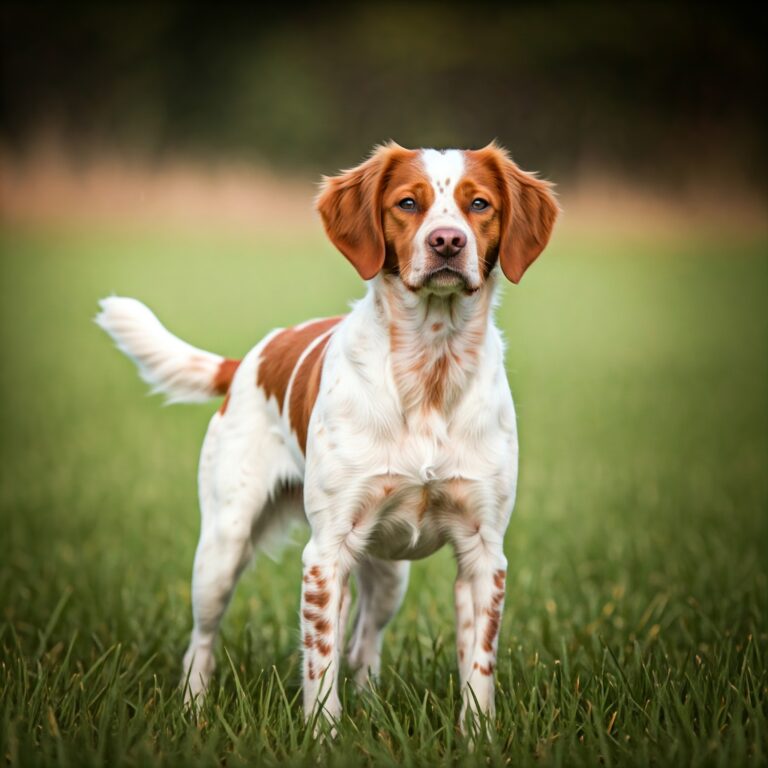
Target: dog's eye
<point>407,204</point>
<point>478,204</point>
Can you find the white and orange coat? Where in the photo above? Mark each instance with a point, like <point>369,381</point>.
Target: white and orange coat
<point>396,420</point>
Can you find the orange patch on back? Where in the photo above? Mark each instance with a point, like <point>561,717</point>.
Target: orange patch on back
<point>304,390</point>
<point>280,355</point>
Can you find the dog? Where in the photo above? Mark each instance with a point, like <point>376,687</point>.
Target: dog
<point>392,429</point>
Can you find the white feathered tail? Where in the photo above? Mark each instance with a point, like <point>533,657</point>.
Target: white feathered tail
<point>169,365</point>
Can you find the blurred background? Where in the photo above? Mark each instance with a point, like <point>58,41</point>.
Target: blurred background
<point>171,151</point>
<point>663,99</point>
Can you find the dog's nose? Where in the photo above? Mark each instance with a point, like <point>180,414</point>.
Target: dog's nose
<point>446,241</point>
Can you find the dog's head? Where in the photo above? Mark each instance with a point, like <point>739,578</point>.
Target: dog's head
<point>441,219</point>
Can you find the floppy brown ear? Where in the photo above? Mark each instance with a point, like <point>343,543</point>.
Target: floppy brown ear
<point>350,206</point>
<point>528,217</point>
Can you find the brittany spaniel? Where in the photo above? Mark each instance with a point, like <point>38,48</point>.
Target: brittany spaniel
<point>391,428</point>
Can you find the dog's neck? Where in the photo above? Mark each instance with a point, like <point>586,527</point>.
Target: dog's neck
<point>436,342</point>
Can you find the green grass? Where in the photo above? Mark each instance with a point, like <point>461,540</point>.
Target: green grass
<point>635,631</point>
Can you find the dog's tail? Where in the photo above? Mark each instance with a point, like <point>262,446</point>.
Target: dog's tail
<point>169,365</point>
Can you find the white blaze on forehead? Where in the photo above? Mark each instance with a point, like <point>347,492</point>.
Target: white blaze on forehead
<point>444,169</point>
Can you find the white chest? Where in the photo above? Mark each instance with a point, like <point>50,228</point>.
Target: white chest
<point>406,487</point>
<point>398,476</point>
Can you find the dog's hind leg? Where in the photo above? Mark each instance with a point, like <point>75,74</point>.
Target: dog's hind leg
<point>243,466</point>
<point>381,586</point>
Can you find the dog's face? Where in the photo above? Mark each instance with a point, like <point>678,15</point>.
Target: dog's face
<point>442,220</point>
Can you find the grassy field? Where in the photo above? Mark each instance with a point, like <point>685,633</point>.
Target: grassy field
<point>636,625</point>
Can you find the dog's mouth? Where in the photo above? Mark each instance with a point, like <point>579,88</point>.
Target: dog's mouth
<point>446,280</point>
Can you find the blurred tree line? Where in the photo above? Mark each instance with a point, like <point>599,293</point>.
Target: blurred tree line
<point>659,92</point>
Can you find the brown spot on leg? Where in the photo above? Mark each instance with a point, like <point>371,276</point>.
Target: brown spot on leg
<point>322,625</point>
<point>498,579</point>
<point>308,641</point>
<point>320,599</point>
<point>491,630</point>
<point>323,647</point>
<point>310,670</point>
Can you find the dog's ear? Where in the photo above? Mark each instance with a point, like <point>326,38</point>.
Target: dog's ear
<point>350,206</point>
<point>527,217</point>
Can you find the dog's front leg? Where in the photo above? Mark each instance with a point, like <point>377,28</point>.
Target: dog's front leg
<point>324,585</point>
<point>479,599</point>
